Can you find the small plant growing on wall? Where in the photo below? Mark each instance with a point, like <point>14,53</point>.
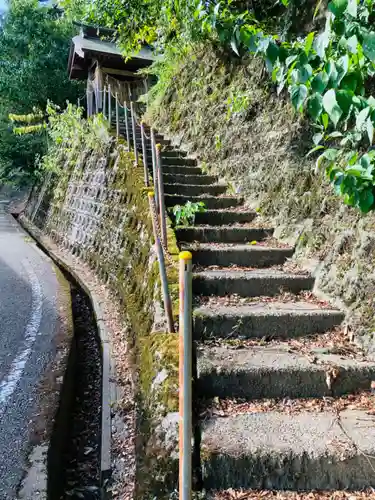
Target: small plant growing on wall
<point>185,214</point>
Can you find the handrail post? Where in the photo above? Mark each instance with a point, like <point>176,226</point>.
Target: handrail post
<point>155,169</point>
<point>185,376</point>
<point>109,106</point>
<point>163,223</point>
<point>104,102</point>
<point>163,273</point>
<point>126,115</point>
<point>144,152</point>
<point>117,119</point>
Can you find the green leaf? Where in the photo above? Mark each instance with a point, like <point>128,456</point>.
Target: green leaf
<point>332,73</point>
<point>298,95</point>
<point>317,138</point>
<point>370,130</point>
<point>329,154</point>
<point>366,200</point>
<point>315,106</point>
<point>313,150</point>
<point>368,45</point>
<point>331,106</point>
<point>361,118</point>
<point>349,82</point>
<point>309,42</point>
<point>352,44</point>
<point>320,82</point>
<point>344,99</point>
<point>338,7</point>
<point>352,8</point>
<point>321,43</point>
<point>233,44</point>
<point>342,67</point>
<point>335,135</point>
<point>304,73</point>
<point>289,60</point>
<point>272,52</point>
<point>325,120</point>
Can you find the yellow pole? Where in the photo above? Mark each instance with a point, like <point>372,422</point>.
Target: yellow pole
<point>185,376</point>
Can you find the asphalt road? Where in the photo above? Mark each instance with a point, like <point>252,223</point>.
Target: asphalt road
<point>29,320</point>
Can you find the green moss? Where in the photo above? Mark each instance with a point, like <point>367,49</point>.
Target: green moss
<point>158,352</point>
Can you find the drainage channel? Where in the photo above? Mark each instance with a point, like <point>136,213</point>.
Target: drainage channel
<point>81,456</point>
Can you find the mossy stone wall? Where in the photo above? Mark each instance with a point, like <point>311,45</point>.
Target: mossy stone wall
<point>97,208</point>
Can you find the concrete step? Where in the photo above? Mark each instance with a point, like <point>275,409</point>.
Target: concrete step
<point>188,162</point>
<point>209,201</point>
<point>193,190</point>
<point>198,180</point>
<point>304,451</point>
<point>180,170</point>
<point>249,283</point>
<point>174,153</point>
<point>264,319</point>
<point>160,140</point>
<point>222,234</point>
<point>158,137</point>
<point>238,255</point>
<point>224,217</point>
<point>274,372</point>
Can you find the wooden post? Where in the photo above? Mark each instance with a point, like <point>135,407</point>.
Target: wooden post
<point>126,113</point>
<point>109,106</point>
<point>104,102</point>
<point>117,119</point>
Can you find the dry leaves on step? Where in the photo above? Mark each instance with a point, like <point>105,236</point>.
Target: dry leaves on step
<point>288,495</point>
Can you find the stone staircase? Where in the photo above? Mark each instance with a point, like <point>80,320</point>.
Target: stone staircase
<point>282,395</point>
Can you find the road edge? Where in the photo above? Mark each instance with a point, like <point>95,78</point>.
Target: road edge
<point>108,388</point>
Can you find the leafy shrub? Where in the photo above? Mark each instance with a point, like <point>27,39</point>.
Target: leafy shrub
<point>185,214</point>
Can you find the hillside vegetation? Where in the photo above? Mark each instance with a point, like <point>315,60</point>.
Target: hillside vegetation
<point>277,98</point>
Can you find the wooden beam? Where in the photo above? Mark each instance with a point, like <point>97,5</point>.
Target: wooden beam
<point>122,72</point>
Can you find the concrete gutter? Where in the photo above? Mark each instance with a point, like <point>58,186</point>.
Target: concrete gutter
<point>108,388</point>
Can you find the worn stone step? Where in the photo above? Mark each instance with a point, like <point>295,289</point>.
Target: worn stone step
<point>222,234</point>
<point>198,180</point>
<point>188,162</point>
<point>304,451</point>
<point>160,140</point>
<point>194,190</point>
<point>209,201</point>
<point>273,371</point>
<point>238,255</point>
<point>249,283</point>
<point>224,217</point>
<point>138,134</point>
<point>264,319</point>
<point>174,153</point>
<point>181,170</point>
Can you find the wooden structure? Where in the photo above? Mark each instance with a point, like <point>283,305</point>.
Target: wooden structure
<point>95,57</point>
